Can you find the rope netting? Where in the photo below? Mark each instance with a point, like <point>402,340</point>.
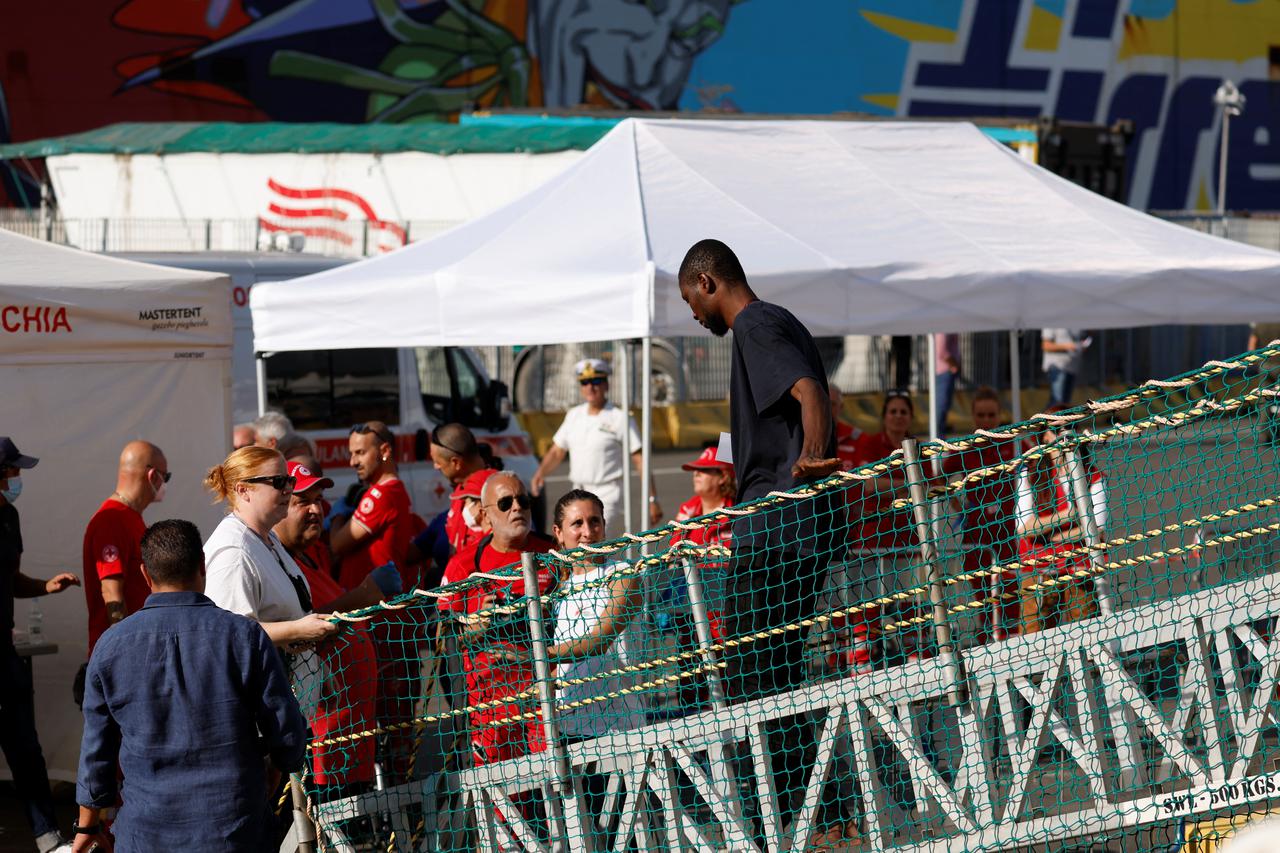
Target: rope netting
<point>1049,635</point>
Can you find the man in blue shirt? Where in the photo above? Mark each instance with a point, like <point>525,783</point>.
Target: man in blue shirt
<point>188,700</point>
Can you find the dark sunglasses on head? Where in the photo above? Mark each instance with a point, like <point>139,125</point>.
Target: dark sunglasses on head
<point>435,439</point>
<point>504,503</point>
<point>595,380</point>
<point>382,433</point>
<point>279,482</point>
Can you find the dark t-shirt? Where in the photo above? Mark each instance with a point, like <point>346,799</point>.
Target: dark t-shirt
<point>10,554</point>
<point>772,351</point>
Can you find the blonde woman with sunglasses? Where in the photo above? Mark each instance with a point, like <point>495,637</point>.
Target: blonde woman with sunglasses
<point>248,570</point>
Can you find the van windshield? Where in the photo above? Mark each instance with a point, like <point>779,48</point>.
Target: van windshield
<point>332,389</point>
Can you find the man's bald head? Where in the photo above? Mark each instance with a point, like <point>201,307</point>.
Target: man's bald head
<point>140,455</point>
<point>143,472</point>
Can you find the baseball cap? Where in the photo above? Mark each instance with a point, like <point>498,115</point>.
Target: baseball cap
<point>592,368</point>
<point>707,462</point>
<point>470,487</point>
<point>306,479</point>
<point>10,456</point>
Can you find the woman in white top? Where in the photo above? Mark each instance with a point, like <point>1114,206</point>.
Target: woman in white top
<point>591,436</point>
<point>592,614</point>
<point>247,570</point>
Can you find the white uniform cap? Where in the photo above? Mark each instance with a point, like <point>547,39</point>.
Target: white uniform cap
<point>591,368</point>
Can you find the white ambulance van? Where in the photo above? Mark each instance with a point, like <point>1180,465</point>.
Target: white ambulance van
<point>326,392</point>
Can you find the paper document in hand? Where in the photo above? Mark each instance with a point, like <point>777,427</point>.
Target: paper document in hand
<point>724,450</point>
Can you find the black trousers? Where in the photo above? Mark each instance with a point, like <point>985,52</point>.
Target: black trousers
<point>21,744</point>
<point>771,589</point>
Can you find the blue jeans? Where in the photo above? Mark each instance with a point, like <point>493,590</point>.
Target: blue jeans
<point>1061,384</point>
<point>946,393</point>
<point>20,744</point>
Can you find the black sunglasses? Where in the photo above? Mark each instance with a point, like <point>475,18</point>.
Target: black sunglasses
<point>435,439</point>
<point>381,432</point>
<point>166,476</point>
<point>596,380</point>
<point>279,482</point>
<point>504,503</point>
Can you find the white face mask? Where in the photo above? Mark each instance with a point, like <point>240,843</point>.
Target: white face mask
<point>468,516</point>
<point>14,489</point>
<point>159,493</point>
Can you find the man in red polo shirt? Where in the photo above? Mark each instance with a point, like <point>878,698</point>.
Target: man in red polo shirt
<point>506,504</point>
<point>381,528</point>
<point>114,585</point>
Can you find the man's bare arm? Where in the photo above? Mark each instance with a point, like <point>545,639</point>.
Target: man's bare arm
<point>113,597</point>
<point>346,537</point>
<point>815,424</point>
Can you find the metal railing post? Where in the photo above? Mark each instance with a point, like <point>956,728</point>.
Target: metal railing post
<point>563,807</point>
<point>929,555</point>
<point>302,825</point>
<point>721,765</point>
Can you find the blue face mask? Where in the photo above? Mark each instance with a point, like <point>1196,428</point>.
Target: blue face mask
<point>12,491</point>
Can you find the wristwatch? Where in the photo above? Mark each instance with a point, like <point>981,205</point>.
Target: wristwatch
<point>91,829</point>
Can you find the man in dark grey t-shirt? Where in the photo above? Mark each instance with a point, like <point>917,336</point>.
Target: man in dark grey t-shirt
<point>783,437</point>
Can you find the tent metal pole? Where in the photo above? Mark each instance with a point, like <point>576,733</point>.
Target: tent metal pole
<point>932,358</point>
<point>260,365</point>
<point>646,430</point>
<point>1015,376</point>
<point>623,372</point>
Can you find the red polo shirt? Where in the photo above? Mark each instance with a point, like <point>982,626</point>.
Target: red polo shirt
<point>384,511</point>
<point>112,549</point>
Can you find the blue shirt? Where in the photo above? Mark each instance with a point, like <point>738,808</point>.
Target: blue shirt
<point>189,699</point>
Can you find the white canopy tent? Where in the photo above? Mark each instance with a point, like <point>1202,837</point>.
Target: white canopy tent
<point>95,352</point>
<point>856,227</point>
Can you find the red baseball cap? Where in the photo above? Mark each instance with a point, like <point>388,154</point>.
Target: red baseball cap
<point>707,462</point>
<point>306,479</point>
<point>470,487</point>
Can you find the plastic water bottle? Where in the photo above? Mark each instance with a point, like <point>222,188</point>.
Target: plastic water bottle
<point>35,623</point>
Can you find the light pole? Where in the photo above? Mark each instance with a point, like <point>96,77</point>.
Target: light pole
<point>1232,102</point>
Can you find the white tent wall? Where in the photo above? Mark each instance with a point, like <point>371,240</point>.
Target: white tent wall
<point>95,409</point>
<point>136,352</point>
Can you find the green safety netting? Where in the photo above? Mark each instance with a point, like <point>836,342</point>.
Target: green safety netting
<point>1056,635</point>
<point>219,137</point>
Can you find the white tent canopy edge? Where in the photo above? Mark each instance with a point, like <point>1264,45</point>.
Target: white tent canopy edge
<point>856,227</point>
